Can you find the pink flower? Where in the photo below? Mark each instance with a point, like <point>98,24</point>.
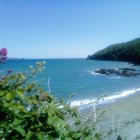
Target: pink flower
<point>3,54</point>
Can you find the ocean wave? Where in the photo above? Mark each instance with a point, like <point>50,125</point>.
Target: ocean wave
<point>83,102</point>
<point>104,100</point>
<point>114,77</point>
<point>94,73</point>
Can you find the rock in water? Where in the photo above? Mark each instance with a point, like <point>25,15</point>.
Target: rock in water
<point>127,72</point>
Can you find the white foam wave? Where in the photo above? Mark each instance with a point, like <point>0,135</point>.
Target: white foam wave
<point>82,102</point>
<point>104,100</point>
<point>114,77</point>
<point>94,73</point>
<point>129,64</point>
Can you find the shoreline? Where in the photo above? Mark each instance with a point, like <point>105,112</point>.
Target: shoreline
<point>121,117</point>
<point>105,99</point>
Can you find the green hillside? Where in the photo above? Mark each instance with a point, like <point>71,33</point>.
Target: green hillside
<point>127,51</point>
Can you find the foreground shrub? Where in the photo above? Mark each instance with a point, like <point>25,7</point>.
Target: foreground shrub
<point>28,112</point>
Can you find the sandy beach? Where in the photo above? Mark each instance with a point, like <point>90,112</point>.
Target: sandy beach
<point>121,117</point>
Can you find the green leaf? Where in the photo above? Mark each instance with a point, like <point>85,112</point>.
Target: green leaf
<point>68,138</point>
<point>22,90</point>
<point>29,135</point>
<point>90,138</point>
<point>2,93</point>
<point>6,104</point>
<point>39,137</point>
<point>9,96</point>
<point>20,94</point>
<point>20,130</point>
<point>97,135</point>
<point>78,135</point>
<point>17,122</point>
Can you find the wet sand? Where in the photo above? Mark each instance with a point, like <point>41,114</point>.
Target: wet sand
<point>122,117</point>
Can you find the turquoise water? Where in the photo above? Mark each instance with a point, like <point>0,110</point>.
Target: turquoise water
<point>76,76</point>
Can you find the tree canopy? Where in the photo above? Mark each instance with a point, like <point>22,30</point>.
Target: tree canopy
<point>127,51</point>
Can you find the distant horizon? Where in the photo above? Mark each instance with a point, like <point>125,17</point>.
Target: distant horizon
<point>47,58</point>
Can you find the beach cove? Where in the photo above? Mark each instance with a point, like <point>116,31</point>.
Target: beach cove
<point>121,117</point>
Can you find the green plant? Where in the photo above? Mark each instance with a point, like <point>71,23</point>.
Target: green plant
<point>127,51</point>
<point>28,112</point>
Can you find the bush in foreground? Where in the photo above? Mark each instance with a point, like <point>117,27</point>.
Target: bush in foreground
<point>28,112</point>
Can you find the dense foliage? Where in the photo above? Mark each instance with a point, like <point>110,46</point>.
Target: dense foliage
<point>128,51</point>
<point>28,112</point>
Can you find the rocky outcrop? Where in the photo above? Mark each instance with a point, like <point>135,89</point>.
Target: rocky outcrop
<point>127,72</point>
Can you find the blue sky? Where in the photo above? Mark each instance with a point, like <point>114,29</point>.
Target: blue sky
<point>66,28</point>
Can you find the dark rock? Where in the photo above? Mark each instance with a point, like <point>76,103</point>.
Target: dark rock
<point>127,72</point>
<point>113,71</point>
<point>102,71</point>
<point>107,71</point>
<point>129,69</point>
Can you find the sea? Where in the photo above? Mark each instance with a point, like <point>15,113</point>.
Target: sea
<point>75,80</point>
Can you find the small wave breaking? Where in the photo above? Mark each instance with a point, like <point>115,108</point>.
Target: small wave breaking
<point>94,73</point>
<point>114,77</point>
<point>104,100</point>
